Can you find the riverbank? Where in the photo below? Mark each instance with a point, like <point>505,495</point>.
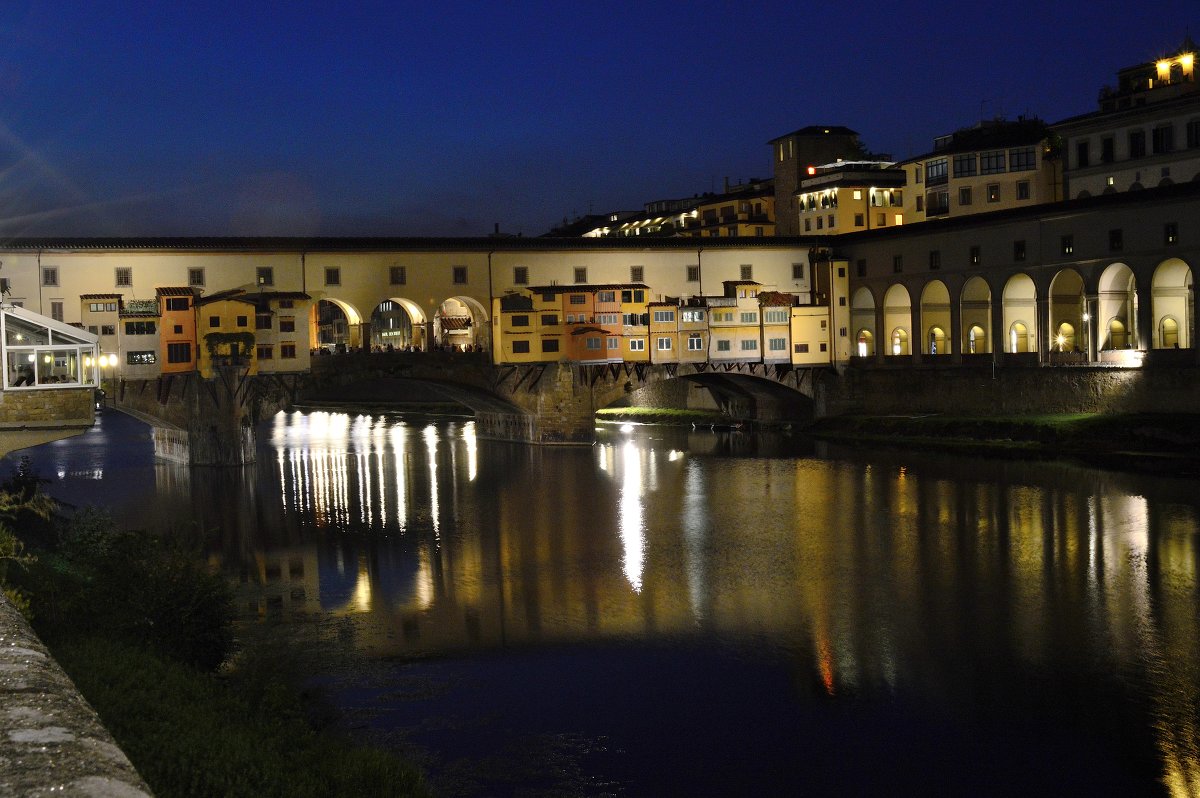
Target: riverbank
<point>1151,441</point>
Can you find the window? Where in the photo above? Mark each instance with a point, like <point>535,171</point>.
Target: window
<point>1022,160</point>
<point>1018,250</point>
<point>593,343</point>
<point>1082,156</point>
<point>264,351</point>
<point>214,321</point>
<point>1068,244</point>
<point>56,311</point>
<point>93,329</point>
<point>777,344</point>
<point>287,350</point>
<point>1137,143</point>
<point>749,317</point>
<point>1022,189</point>
<point>98,307</point>
<point>964,195</point>
<point>460,275</point>
<point>692,315</point>
<point>262,321</point>
<point>520,321</point>
<point>920,203</point>
<point>723,345</point>
<point>964,164</point>
<point>636,295</point>
<point>775,316</point>
<point>747,271</point>
<point>287,324</point>
<point>993,192</point>
<point>520,275</point>
<point>1171,233</point>
<point>695,343</point>
<point>581,274</point>
<point>991,163</point>
<point>1116,240</point>
<point>664,315</point>
<point>937,203</point>
<point>801,349</point>
<point>550,319</point>
<point>549,344</point>
<point>243,321</point>
<point>49,275</point>
<point>897,264</point>
<point>287,303</point>
<point>859,219</point>
<point>935,259</point>
<point>749,345</point>
<point>265,275</point>
<point>663,344</point>
<point>1162,139</point>
<point>578,299</point>
<point>614,343</point>
<point>693,274</point>
<point>141,358</point>
<point>797,271</point>
<point>108,329</point>
<point>637,274</point>
<point>1193,134</point>
<point>1107,150</point>
<point>123,276</point>
<point>178,303</point>
<point>196,277</point>
<point>520,347</point>
<point>975,255</point>
<point>140,327</point>
<point>860,267</point>
<point>606,296</point>
<point>333,276</point>
<point>935,172</point>
<point>398,275</point>
<point>637,345</point>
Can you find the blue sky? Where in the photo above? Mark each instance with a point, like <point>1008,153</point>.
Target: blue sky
<point>310,118</point>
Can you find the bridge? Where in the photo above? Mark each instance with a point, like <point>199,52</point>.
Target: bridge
<point>211,422</point>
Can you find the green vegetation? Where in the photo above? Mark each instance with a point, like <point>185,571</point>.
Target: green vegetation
<point>662,415</point>
<point>145,631</point>
<point>1145,439</point>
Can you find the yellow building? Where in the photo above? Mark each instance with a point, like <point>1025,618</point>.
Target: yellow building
<point>992,166</point>
<point>744,210</point>
<point>260,331</point>
<point>734,326</point>
<point>177,338</point>
<point>849,196</point>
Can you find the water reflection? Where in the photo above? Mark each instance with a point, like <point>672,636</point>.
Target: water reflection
<point>1003,594</point>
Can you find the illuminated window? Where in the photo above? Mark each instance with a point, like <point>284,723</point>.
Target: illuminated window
<point>141,358</point>
<point>993,192</point>
<point>975,255</point>
<point>1068,244</point>
<point>1171,233</point>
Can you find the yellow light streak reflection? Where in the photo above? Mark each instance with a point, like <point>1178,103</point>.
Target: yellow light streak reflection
<point>632,516</point>
<point>431,442</point>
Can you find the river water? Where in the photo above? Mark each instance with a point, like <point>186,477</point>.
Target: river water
<point>679,612</point>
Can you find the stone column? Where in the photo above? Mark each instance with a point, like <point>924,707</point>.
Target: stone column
<point>956,331</point>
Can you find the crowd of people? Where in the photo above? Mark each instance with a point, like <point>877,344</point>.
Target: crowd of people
<point>449,348</point>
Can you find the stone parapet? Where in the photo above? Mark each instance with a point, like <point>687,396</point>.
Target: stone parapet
<point>51,740</point>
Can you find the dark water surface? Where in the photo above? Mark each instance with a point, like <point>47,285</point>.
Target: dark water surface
<point>671,612</point>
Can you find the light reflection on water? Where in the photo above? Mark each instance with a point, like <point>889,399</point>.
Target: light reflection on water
<point>998,592</point>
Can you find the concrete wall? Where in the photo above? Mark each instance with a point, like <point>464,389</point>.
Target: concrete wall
<point>51,740</point>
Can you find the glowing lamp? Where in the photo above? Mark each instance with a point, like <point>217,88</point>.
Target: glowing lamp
<point>1164,67</point>
<point>812,170</point>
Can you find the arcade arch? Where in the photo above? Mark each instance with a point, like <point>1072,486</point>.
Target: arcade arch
<point>1172,303</point>
<point>1020,312</point>
<point>462,322</point>
<point>1116,308</point>
<point>1067,309</point>
<point>399,323</point>
<point>935,317</point>
<point>976,307</point>
<point>862,318</point>
<point>335,324</point>
<point>897,317</point>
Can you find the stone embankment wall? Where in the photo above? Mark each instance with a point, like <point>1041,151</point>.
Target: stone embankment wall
<point>972,391</point>
<point>51,741</point>
<point>52,407</point>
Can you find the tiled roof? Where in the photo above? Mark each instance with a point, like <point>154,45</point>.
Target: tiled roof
<point>173,291</point>
<point>100,296</point>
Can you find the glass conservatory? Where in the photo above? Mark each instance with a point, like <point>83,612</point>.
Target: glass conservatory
<point>41,353</point>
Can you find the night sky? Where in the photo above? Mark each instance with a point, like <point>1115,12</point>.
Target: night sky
<point>392,118</point>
